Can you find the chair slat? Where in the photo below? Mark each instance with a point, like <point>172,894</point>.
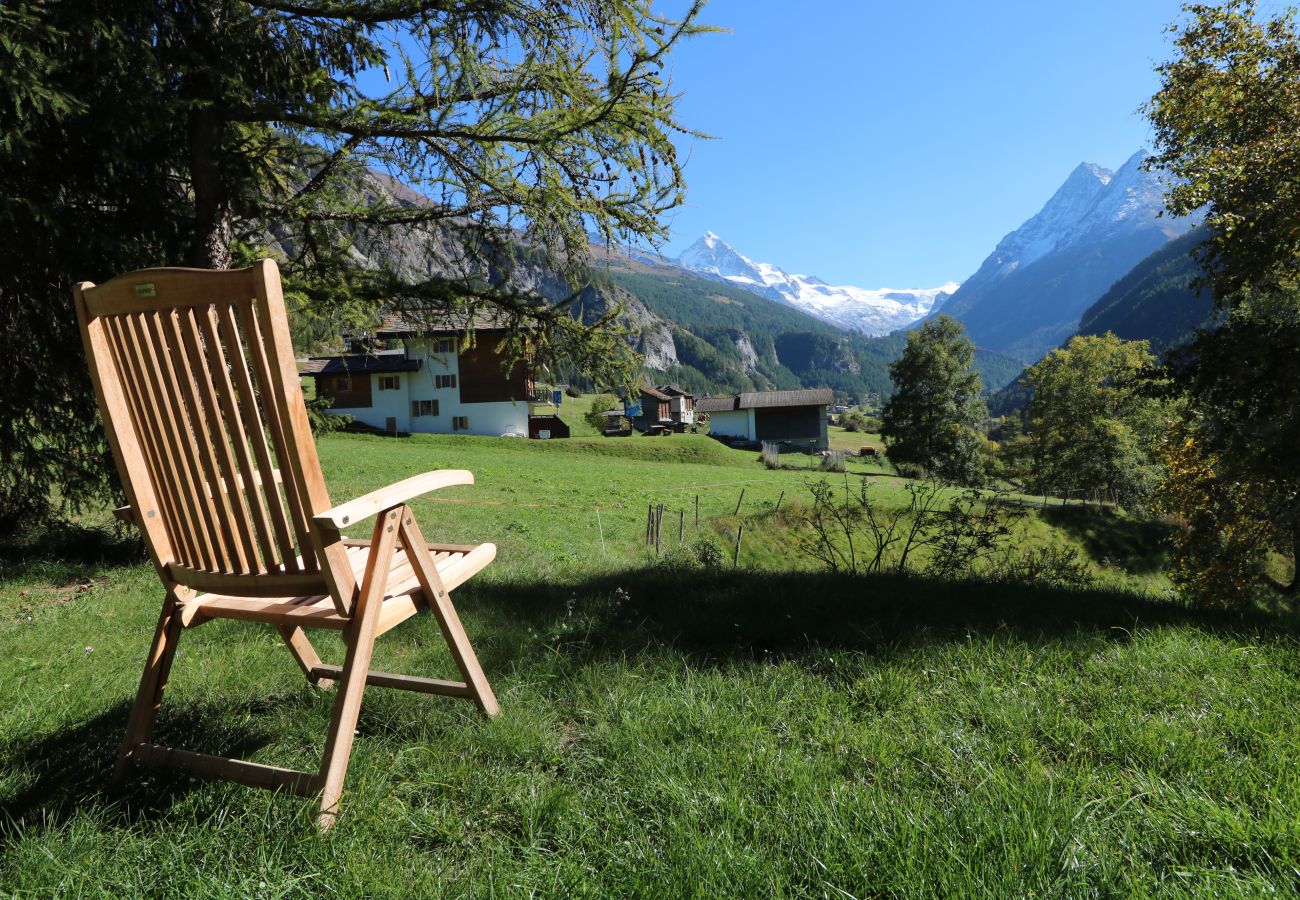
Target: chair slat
<point>162,419</point>
<point>203,429</point>
<point>186,441</point>
<point>256,433</point>
<point>294,494</point>
<point>243,518</point>
<point>238,433</point>
<point>129,376</point>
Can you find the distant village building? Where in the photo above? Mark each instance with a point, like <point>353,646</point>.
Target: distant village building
<point>433,384</point>
<point>664,408</point>
<point>793,418</point>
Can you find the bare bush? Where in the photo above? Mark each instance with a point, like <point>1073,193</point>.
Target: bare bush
<point>938,532</point>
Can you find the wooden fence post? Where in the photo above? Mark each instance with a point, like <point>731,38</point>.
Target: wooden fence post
<point>697,510</point>
<point>778,501</point>
<point>681,526</point>
<point>740,532</point>
<point>740,501</point>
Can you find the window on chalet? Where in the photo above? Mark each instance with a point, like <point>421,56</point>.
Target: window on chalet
<point>444,345</point>
<point>460,423</point>
<point>424,407</point>
<point>390,382</point>
<point>342,384</point>
<point>444,381</point>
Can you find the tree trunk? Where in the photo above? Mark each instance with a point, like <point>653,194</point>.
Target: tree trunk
<point>210,248</point>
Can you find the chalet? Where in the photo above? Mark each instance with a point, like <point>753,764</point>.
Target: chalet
<point>664,408</point>
<point>434,381</point>
<point>650,410</point>
<point>792,418</point>
<point>681,406</point>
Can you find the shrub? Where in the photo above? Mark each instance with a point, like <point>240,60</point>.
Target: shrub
<point>595,415</point>
<point>319,418</point>
<point>1050,567</point>
<point>938,533</point>
<point>707,554</point>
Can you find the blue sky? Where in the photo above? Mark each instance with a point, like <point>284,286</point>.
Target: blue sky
<point>891,144</point>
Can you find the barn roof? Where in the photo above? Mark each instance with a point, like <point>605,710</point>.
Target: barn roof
<point>716,404</point>
<point>767,399</point>
<point>654,392</point>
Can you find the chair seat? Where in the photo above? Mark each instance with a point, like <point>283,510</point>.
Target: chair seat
<point>403,597</point>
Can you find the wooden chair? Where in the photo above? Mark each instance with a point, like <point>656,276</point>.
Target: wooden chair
<point>199,393</point>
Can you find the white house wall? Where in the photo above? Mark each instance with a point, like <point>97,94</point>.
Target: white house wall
<point>494,419</point>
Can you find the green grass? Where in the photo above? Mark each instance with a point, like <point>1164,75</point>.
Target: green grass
<point>666,731</point>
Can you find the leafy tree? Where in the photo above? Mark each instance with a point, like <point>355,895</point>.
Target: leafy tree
<point>136,133</point>
<point>1093,425</point>
<point>595,414</point>
<point>1226,120</point>
<point>930,420</point>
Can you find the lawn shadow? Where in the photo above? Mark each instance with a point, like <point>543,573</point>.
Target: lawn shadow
<point>1139,546</point>
<point>73,544</point>
<point>74,765</point>
<point>721,615</point>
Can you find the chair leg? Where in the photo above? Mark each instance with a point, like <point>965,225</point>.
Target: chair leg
<point>148,697</point>
<point>439,599</point>
<point>360,638</point>
<point>304,653</point>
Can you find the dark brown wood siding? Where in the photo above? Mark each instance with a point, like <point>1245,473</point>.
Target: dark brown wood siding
<point>355,396</point>
<point>788,423</point>
<point>483,380</point>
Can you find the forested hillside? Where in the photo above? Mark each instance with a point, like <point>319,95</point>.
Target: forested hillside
<point>1156,300</point>
<point>729,339</point>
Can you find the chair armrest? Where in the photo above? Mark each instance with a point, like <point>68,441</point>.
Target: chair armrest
<point>376,502</point>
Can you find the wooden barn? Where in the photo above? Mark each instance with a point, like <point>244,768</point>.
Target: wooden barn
<point>792,418</point>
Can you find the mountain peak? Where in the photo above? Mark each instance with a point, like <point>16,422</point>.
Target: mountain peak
<point>1086,171</point>
<point>845,306</point>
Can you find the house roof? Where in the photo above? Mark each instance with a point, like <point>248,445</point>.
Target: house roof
<point>436,322</point>
<point>767,399</point>
<point>360,364</point>
<point>654,392</point>
<point>674,390</point>
<point>715,404</point>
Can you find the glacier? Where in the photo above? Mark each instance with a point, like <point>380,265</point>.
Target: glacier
<point>871,311</point>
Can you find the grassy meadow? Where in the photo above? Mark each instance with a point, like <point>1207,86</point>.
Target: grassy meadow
<point>668,729</point>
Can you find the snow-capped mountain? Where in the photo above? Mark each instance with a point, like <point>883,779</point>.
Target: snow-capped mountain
<point>1028,294</point>
<point>872,312</point>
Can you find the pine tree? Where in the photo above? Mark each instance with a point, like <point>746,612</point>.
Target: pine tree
<point>930,421</point>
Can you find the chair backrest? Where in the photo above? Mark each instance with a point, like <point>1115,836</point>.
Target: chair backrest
<point>201,402</point>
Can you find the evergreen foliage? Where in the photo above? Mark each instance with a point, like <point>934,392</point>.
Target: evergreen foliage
<point>1158,301</point>
<point>136,133</point>
<point>930,420</point>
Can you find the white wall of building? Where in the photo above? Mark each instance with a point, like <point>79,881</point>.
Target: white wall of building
<point>733,423</point>
<point>494,419</point>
